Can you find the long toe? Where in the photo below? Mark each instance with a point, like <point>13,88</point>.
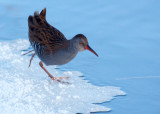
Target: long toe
<point>60,78</point>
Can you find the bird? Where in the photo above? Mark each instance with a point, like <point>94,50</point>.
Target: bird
<point>50,45</point>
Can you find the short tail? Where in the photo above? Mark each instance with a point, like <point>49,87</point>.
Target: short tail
<point>43,14</point>
<point>37,19</point>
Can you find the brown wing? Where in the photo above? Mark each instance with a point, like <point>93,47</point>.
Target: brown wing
<point>43,33</point>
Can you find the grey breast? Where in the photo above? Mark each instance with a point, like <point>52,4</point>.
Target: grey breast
<point>60,57</point>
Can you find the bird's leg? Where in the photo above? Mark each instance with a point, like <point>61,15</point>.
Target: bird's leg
<point>31,59</point>
<point>41,64</point>
<point>28,52</point>
<point>53,78</point>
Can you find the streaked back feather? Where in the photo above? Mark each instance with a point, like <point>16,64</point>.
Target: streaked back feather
<point>43,33</point>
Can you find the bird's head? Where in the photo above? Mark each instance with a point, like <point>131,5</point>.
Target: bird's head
<point>81,43</point>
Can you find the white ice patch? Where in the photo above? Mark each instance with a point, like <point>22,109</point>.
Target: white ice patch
<point>26,90</point>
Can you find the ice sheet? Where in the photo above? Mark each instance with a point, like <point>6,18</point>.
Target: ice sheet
<point>26,90</point>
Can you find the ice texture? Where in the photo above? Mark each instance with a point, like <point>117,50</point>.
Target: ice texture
<point>26,90</point>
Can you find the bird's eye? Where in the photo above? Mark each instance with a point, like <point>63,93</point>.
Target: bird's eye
<point>81,43</point>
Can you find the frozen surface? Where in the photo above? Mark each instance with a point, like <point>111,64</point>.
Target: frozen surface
<point>31,91</point>
<point>125,34</point>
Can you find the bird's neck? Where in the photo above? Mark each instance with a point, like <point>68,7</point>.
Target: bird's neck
<point>73,44</point>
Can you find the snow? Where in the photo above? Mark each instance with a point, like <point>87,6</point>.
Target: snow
<point>26,90</point>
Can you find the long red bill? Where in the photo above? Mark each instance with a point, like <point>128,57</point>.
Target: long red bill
<point>90,49</point>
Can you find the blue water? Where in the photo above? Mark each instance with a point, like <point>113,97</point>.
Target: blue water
<point>125,34</point>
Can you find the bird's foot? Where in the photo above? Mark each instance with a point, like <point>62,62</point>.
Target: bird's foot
<point>60,78</point>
